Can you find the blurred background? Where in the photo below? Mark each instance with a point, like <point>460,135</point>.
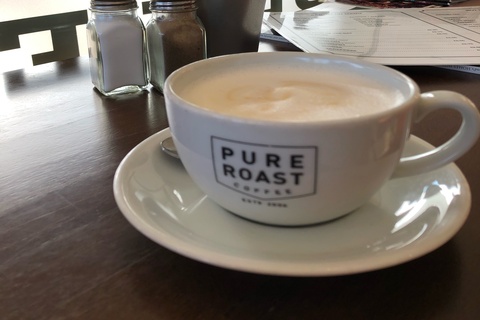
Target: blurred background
<point>34,32</point>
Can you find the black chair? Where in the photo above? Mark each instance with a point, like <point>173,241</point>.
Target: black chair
<point>62,27</point>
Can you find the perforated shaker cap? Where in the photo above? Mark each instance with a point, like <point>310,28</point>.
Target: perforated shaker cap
<point>173,5</point>
<point>110,5</point>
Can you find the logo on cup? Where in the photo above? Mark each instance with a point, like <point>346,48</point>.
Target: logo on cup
<point>265,172</point>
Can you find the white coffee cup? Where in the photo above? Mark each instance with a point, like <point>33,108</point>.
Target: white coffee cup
<point>286,169</point>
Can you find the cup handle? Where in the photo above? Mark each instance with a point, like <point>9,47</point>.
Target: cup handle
<point>459,144</point>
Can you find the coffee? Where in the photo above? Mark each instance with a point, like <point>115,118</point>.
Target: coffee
<point>290,168</point>
<point>290,94</point>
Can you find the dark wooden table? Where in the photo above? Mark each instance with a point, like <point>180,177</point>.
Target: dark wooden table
<point>67,252</point>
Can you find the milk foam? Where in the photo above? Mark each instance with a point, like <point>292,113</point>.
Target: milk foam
<point>290,94</point>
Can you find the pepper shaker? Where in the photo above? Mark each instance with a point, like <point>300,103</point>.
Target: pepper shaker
<point>117,47</point>
<point>175,37</point>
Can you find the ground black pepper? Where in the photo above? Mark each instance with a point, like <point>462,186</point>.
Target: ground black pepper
<point>175,37</point>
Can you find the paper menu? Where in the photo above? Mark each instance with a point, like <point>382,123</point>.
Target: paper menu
<point>427,36</point>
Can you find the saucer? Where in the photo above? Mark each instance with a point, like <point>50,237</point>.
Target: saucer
<point>407,218</point>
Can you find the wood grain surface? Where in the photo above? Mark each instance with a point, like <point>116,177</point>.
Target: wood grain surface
<point>66,251</point>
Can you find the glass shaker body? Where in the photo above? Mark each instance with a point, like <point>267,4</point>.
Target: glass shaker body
<point>175,37</point>
<point>117,50</point>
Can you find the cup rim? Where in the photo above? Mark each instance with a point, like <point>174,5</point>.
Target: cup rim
<point>171,94</point>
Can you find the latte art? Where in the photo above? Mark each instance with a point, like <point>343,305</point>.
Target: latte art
<point>290,95</point>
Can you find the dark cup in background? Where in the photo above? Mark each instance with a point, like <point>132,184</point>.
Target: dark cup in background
<point>232,26</point>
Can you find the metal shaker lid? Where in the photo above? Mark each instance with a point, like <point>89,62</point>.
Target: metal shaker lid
<point>112,5</point>
<point>173,5</point>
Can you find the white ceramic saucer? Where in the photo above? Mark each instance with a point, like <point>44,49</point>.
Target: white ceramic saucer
<point>406,219</point>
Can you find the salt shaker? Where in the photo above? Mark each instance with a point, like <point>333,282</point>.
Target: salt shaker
<point>117,47</point>
<point>175,37</point>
